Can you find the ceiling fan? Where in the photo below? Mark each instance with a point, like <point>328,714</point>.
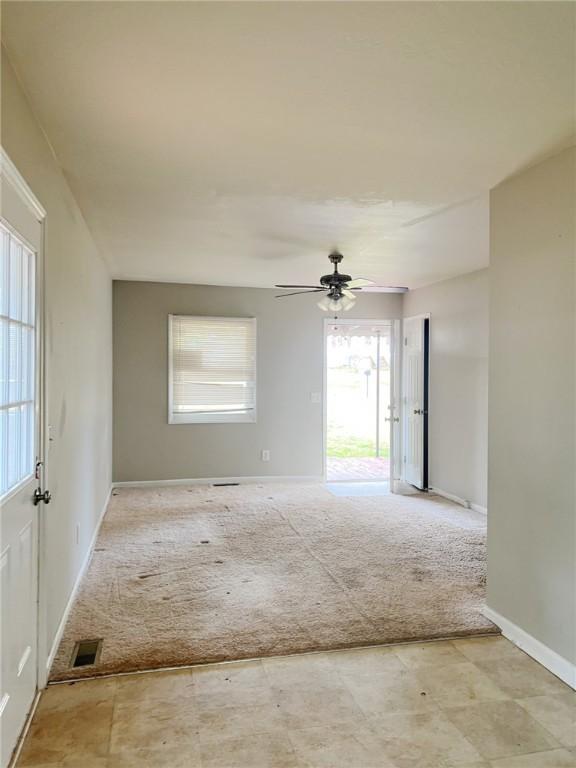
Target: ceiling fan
<point>339,288</point>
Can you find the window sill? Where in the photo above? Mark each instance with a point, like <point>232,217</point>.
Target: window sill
<point>187,418</point>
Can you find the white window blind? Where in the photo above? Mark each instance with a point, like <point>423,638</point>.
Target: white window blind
<point>212,375</point>
<point>17,361</point>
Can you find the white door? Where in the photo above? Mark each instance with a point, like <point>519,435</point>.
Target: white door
<point>414,400</point>
<point>20,452</point>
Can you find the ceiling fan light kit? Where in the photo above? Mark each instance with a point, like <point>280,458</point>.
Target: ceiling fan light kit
<point>329,304</point>
<point>339,288</point>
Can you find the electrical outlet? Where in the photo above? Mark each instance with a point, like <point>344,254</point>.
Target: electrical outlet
<point>265,455</point>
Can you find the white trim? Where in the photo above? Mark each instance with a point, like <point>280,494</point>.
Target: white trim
<point>359,320</point>
<point>450,496</point>
<point>222,417</point>
<point>74,592</point>
<point>31,247</point>
<point>213,480</point>
<point>458,500</point>
<point>16,179</point>
<point>544,655</point>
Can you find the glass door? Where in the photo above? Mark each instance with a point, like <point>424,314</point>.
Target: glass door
<point>358,386</point>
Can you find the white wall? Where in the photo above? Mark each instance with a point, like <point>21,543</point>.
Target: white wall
<point>78,354</point>
<point>290,368</point>
<point>532,426</point>
<point>458,408</point>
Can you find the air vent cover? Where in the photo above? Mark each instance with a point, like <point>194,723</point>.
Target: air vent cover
<point>86,652</point>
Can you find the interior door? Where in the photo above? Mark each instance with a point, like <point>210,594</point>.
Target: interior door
<point>415,401</point>
<point>20,450</point>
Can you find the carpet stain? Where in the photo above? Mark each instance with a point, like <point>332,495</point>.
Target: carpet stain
<point>310,571</point>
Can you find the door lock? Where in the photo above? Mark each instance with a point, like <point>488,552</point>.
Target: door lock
<point>39,496</point>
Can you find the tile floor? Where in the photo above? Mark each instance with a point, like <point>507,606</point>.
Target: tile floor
<point>473,703</point>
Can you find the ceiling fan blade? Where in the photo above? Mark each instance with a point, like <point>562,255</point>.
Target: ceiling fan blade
<point>296,293</point>
<point>360,282</point>
<point>319,287</point>
<point>381,289</point>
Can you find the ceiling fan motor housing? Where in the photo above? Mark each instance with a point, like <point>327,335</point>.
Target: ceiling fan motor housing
<point>335,281</point>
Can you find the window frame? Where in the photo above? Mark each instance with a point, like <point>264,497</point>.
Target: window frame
<point>35,362</point>
<point>191,418</point>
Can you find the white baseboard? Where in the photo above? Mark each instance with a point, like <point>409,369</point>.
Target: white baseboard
<point>212,480</point>
<point>79,577</point>
<point>458,500</point>
<point>557,664</point>
<point>449,496</point>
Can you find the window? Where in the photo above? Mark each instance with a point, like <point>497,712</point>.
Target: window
<point>17,361</point>
<point>212,374</point>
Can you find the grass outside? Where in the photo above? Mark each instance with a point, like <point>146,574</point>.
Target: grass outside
<point>341,446</point>
<point>352,413</point>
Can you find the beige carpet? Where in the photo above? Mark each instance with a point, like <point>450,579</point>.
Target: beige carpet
<point>184,575</point>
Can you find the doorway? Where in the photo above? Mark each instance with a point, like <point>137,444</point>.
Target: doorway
<point>358,382</point>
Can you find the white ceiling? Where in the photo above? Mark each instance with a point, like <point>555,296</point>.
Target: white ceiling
<point>237,143</point>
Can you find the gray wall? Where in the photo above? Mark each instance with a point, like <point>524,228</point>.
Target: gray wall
<point>290,368</point>
<point>78,354</point>
<point>531,491</point>
<point>458,418</point>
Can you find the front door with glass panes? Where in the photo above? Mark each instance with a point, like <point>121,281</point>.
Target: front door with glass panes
<point>20,449</point>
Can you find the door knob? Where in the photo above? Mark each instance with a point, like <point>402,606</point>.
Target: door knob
<point>417,412</point>
<point>41,496</point>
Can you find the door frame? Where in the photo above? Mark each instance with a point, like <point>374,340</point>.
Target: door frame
<point>394,326</point>
<point>15,179</point>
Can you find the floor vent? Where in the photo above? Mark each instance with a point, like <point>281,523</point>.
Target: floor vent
<point>86,652</point>
<point>221,485</point>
